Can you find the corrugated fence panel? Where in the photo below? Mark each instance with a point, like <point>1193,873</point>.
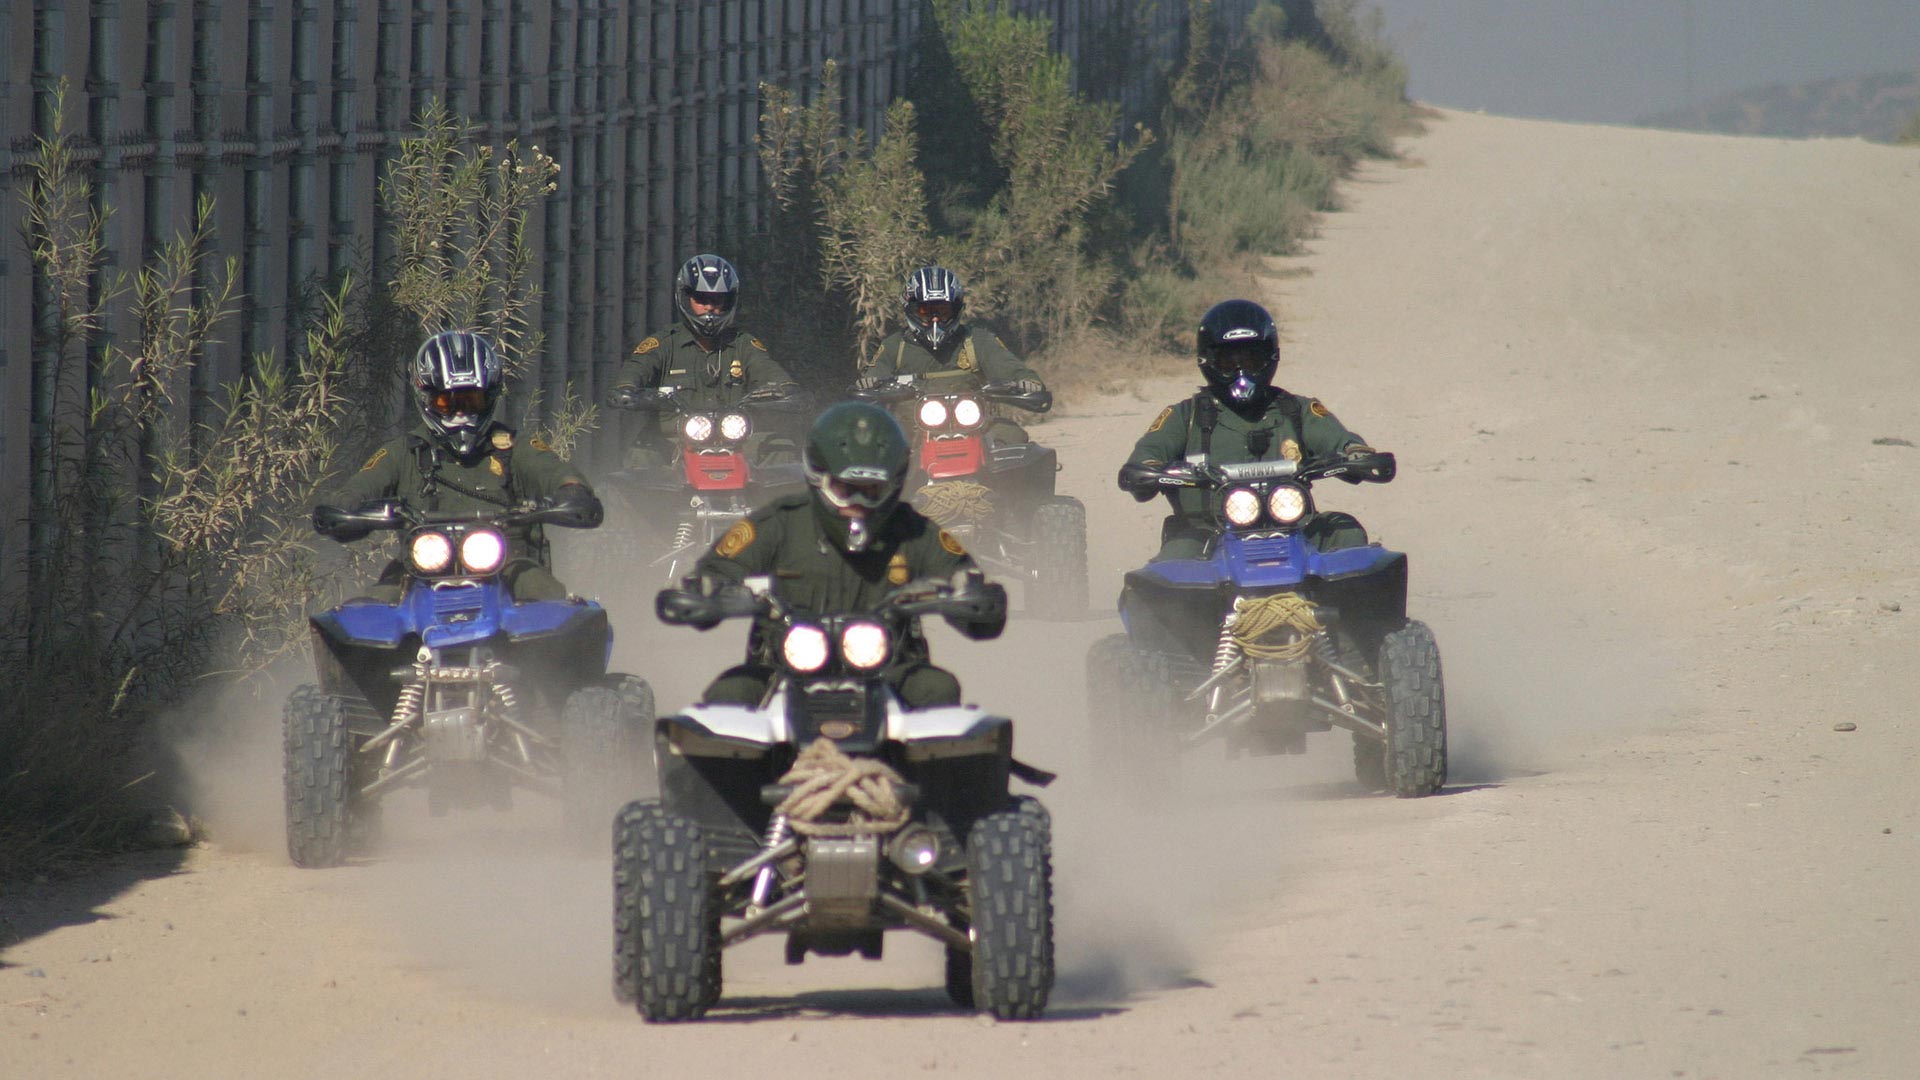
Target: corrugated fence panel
<point>286,113</point>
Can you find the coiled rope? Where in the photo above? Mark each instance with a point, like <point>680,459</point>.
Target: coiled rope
<point>1260,617</point>
<point>955,502</point>
<point>822,777</point>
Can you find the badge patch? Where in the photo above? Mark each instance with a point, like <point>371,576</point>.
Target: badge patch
<point>539,443</point>
<point>738,371</point>
<point>494,467</point>
<point>1161,420</point>
<point>965,363</point>
<point>755,342</point>
<point>503,440</point>
<point>897,572</point>
<point>646,346</point>
<point>1290,450</point>
<point>378,456</point>
<point>1317,409</point>
<point>735,541</point>
<point>953,546</point>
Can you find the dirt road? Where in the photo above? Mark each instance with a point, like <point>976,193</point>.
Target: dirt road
<point>1654,397</point>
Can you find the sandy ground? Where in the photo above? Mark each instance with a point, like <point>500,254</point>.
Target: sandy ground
<point>1642,386</point>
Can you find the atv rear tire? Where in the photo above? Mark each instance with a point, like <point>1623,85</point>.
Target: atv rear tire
<point>666,916</point>
<point>1416,751</point>
<point>317,771</point>
<point>1059,588</point>
<point>1010,877</point>
<point>603,733</point>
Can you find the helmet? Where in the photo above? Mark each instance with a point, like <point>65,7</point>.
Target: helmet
<point>714,281</point>
<point>934,300</point>
<point>1239,349</point>
<point>457,382</point>
<point>856,457</point>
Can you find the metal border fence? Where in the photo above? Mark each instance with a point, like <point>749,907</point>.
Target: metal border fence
<point>286,112</point>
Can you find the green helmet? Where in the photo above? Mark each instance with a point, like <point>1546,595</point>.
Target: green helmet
<point>856,456</point>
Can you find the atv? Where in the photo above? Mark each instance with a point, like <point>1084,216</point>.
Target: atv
<point>999,500</point>
<point>831,814</point>
<point>722,466</point>
<point>1266,639</point>
<point>456,688</point>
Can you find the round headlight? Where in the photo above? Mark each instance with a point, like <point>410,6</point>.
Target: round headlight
<point>966,412</point>
<point>431,552</point>
<point>864,645</point>
<point>699,428</point>
<point>933,413</point>
<point>805,648</point>
<point>734,426</point>
<point>483,551</point>
<point>1287,504</point>
<point>1243,506</point>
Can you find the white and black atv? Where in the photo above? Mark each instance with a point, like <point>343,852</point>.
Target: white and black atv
<point>832,814</point>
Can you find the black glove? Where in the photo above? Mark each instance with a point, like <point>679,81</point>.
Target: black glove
<point>986,611</point>
<point>574,507</point>
<point>624,397</point>
<point>868,382</point>
<point>1029,386</point>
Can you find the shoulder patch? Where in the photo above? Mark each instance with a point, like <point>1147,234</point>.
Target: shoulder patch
<point>646,346</point>
<point>1317,409</point>
<point>952,545</point>
<point>502,440</point>
<point>539,443</point>
<point>1161,420</point>
<point>735,541</point>
<point>755,342</point>
<point>378,456</point>
<point>494,467</point>
<point>897,572</point>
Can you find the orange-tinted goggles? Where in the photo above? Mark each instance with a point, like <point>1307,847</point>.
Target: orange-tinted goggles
<point>469,400</point>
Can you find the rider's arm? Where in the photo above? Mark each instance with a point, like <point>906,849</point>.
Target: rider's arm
<point>746,549</point>
<point>935,555</point>
<point>1322,434</point>
<point>643,366</point>
<point>1164,443</point>
<point>379,478</point>
<point>763,371</point>
<point>886,360</point>
<point>539,473</point>
<point>997,362</point>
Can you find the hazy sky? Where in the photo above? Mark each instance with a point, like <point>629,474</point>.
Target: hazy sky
<point>1613,60</point>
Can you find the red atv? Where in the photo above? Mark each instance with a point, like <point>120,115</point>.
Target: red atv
<point>992,488</point>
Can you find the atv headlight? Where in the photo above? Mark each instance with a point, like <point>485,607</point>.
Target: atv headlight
<point>734,426</point>
<point>805,648</point>
<point>864,645</point>
<point>966,413</point>
<point>431,552</point>
<point>699,428</point>
<point>933,413</point>
<point>482,551</point>
<point>1287,504</point>
<point>1243,506</point>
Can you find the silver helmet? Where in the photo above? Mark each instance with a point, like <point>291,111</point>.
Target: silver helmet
<point>717,285</point>
<point>934,299</point>
<point>457,382</point>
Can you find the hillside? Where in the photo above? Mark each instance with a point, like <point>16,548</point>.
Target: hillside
<point>1877,107</point>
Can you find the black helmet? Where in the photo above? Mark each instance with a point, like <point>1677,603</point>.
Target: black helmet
<point>856,456</point>
<point>934,300</point>
<point>1239,350</point>
<point>716,283</point>
<point>457,382</point>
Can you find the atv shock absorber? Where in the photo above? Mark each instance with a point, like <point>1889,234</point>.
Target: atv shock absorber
<point>763,881</point>
<point>1226,653</point>
<point>406,709</point>
<point>682,535</point>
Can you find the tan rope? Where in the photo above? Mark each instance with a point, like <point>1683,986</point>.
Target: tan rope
<point>823,777</point>
<point>1258,618</point>
<point>955,502</point>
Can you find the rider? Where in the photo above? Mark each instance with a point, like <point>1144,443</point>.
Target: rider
<point>846,546</point>
<point>705,362</point>
<point>461,458</point>
<point>933,341</point>
<point>1238,416</point>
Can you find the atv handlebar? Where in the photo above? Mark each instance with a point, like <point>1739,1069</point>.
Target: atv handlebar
<point>976,607</point>
<point>906,387</point>
<point>577,509</point>
<point>1144,481</point>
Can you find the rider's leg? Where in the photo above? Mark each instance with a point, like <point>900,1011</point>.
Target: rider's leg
<point>1333,530</point>
<point>528,581</point>
<point>742,685</point>
<point>923,686</point>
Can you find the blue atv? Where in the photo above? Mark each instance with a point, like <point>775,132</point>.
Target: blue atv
<point>1265,638</point>
<point>456,688</point>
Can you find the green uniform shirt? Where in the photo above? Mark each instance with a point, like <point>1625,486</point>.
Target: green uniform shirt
<point>785,541</point>
<point>702,379</point>
<point>1174,436</point>
<point>506,470</point>
<point>968,348</point>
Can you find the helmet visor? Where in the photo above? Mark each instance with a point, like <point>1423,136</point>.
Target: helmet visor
<point>869,494</point>
<point>1242,357</point>
<point>934,311</point>
<point>463,401</point>
<point>710,303</point>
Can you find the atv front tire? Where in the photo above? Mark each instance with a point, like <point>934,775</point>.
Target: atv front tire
<point>1010,878</point>
<point>317,771</point>
<point>1415,762</point>
<point>603,730</point>
<point>666,916</point>
<point>1059,588</point>
<point>1134,742</point>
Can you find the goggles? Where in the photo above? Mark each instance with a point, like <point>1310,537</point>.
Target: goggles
<point>867,494</point>
<point>934,310</point>
<point>464,401</point>
<point>713,301</point>
<point>1249,357</point>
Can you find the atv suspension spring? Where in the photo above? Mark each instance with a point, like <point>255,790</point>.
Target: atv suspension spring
<point>682,535</point>
<point>1227,651</point>
<point>406,709</point>
<point>763,881</point>
<point>509,700</point>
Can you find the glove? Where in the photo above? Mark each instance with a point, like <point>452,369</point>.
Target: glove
<point>574,508</point>
<point>1029,386</point>
<point>868,382</point>
<point>624,397</point>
